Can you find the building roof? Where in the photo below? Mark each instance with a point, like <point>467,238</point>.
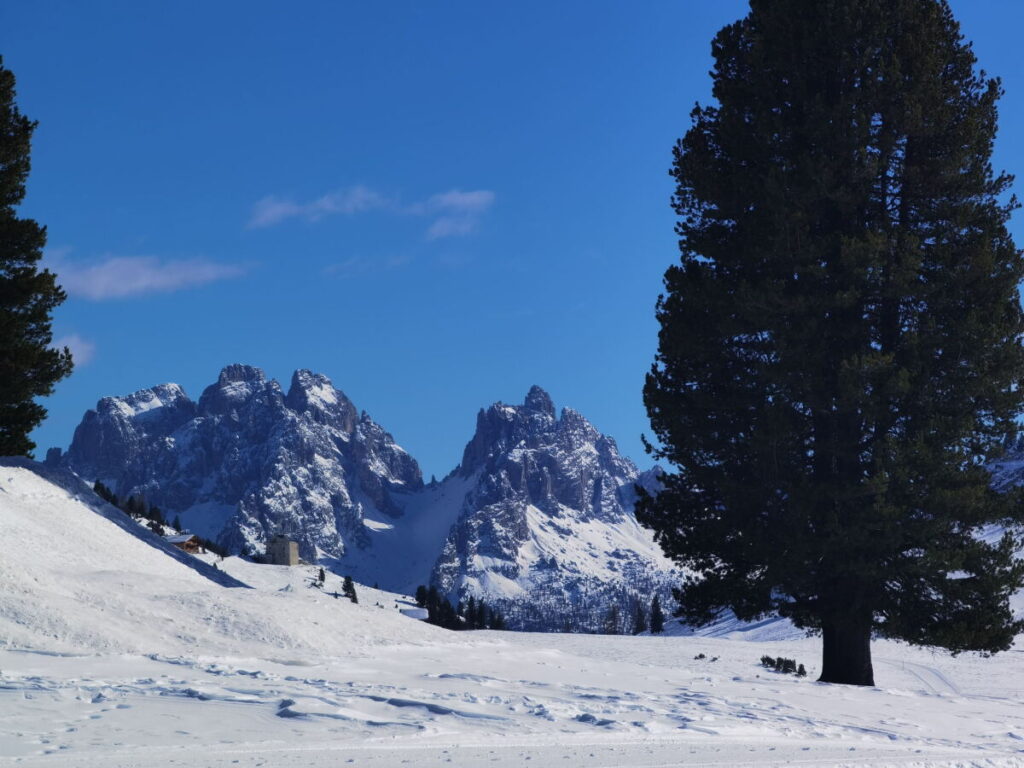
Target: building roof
<point>180,538</point>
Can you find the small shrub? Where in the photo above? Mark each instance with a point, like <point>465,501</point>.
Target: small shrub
<point>783,666</point>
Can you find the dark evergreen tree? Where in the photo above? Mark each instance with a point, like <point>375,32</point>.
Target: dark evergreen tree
<point>321,576</point>
<point>480,617</point>
<point>433,605</point>
<point>104,493</point>
<point>348,588</point>
<point>421,596</point>
<point>29,366</point>
<point>449,619</point>
<point>176,525</point>
<point>639,619</point>
<point>840,345</point>
<point>470,613</point>
<point>611,621</point>
<point>657,617</point>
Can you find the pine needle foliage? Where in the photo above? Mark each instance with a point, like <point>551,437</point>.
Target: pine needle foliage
<point>840,343</point>
<point>29,366</point>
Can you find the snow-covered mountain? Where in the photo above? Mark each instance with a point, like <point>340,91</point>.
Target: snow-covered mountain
<point>537,519</point>
<point>546,529</point>
<point>249,460</point>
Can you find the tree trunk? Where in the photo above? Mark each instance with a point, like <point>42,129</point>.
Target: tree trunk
<point>846,652</point>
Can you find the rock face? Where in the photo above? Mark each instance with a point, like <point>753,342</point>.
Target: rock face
<point>249,461</point>
<point>547,531</point>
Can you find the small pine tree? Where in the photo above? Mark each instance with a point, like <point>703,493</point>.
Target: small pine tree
<point>421,596</point>
<point>101,490</point>
<point>611,620</point>
<point>322,576</point>
<point>349,589</point>
<point>470,613</point>
<point>639,620</point>
<point>177,524</point>
<point>657,617</point>
<point>480,619</point>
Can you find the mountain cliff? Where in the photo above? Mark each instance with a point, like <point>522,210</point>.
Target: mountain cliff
<point>248,460</point>
<point>546,530</point>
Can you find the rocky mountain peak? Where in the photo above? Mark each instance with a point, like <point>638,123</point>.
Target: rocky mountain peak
<point>501,428</point>
<point>235,385</point>
<point>314,394</point>
<point>237,372</point>
<point>539,400</point>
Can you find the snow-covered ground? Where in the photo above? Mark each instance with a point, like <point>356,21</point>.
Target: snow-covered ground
<point>115,652</point>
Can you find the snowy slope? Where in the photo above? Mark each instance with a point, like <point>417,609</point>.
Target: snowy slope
<point>79,575</point>
<point>399,553</point>
<point>116,653</point>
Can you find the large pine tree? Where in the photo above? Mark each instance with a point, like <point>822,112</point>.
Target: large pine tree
<point>29,367</point>
<point>840,345</point>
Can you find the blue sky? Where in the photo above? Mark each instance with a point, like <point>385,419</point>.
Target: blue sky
<point>435,204</point>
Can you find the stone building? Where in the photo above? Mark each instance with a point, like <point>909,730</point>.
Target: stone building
<point>282,551</point>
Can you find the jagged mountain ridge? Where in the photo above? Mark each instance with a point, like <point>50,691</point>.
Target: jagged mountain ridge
<point>248,461</point>
<point>546,531</point>
<point>538,512</point>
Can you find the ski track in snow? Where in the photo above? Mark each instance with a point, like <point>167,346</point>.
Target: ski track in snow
<point>115,654</point>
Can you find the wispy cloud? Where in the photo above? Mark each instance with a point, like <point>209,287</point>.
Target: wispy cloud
<point>458,213</point>
<point>454,213</point>
<point>273,210</point>
<point>82,350</point>
<point>360,264</point>
<point>118,277</point>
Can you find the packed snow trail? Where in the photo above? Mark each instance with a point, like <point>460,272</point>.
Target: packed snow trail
<point>115,652</point>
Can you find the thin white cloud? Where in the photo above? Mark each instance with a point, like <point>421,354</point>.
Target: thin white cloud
<point>118,277</point>
<point>456,201</point>
<point>452,226</point>
<point>347,202</point>
<point>82,350</point>
<point>454,213</point>
<point>458,213</point>
<point>360,264</point>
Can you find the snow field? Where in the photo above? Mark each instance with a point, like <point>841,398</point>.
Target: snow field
<point>115,652</point>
